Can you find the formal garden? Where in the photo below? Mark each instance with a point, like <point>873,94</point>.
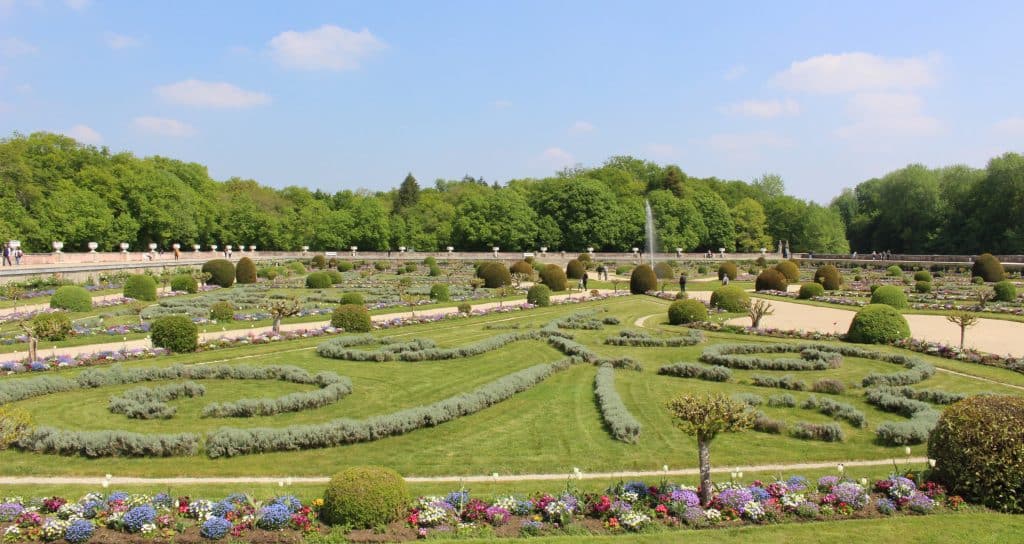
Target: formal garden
<point>283,374</point>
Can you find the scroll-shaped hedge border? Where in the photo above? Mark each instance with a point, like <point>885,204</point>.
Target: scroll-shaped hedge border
<point>620,421</point>
<point>923,417</point>
<point>151,402</point>
<point>644,340</point>
<point>108,443</point>
<point>229,441</point>
<point>734,356</point>
<point>701,372</point>
<point>419,350</point>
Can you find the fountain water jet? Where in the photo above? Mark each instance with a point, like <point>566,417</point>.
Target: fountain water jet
<point>651,240</point>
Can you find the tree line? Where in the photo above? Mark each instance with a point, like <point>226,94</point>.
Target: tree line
<point>54,188</point>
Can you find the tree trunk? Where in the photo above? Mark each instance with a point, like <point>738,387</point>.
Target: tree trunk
<point>963,331</point>
<point>33,347</point>
<point>277,326</point>
<point>704,447</point>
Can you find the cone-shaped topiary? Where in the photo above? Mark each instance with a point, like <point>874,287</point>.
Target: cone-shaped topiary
<point>221,271</point>
<point>731,298</point>
<point>790,270</point>
<point>829,277</point>
<point>574,270</point>
<point>365,497</point>
<point>682,312</point>
<point>988,267</point>
<point>352,318</point>
<point>553,276</point>
<point>891,295</point>
<point>494,274</point>
<point>539,295</point>
<point>728,268</point>
<point>140,287</point>
<point>978,448</point>
<point>877,324</point>
<point>1005,291</point>
<point>642,280</point>
<point>175,332</point>
<point>245,271</point>
<point>811,290</point>
<point>770,280</point>
<point>71,298</point>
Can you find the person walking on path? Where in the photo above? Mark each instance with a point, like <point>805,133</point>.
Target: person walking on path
<point>177,253</point>
<point>725,279</point>
<point>682,282</point>
<point>18,254</point>
<point>600,271</point>
<point>7,254</point>
<point>583,280</point>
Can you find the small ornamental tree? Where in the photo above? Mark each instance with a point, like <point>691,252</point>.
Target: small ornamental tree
<point>12,291</point>
<point>282,308</point>
<point>704,417</point>
<point>964,320</point>
<point>759,309</point>
<point>14,423</point>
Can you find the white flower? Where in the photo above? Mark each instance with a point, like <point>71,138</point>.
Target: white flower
<point>105,484</point>
<point>931,463</point>
<point>841,467</point>
<point>907,451</point>
<point>712,515</point>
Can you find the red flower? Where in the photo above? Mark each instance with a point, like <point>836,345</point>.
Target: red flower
<point>661,509</point>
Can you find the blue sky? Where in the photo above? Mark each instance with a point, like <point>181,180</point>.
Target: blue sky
<point>346,95</point>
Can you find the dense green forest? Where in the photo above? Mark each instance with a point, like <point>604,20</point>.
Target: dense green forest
<point>56,189</point>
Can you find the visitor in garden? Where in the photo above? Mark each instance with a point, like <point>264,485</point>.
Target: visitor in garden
<point>7,254</point>
<point>601,273</point>
<point>583,280</point>
<point>682,282</point>
<point>725,279</point>
<point>177,253</point>
<point>18,254</point>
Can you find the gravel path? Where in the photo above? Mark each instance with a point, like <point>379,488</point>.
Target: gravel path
<point>185,480</point>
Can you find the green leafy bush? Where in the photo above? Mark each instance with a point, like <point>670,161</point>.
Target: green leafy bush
<point>434,271</point>
<point>978,449</point>
<point>184,282</point>
<point>365,497</point>
<point>222,311</point>
<point>682,312</point>
<point>553,276</point>
<point>521,267</point>
<point>890,295</point>
<point>1005,291</point>
<point>222,272</point>
<point>923,275</point>
<point>381,266</point>
<point>318,280</point>
<point>731,298</point>
<point>623,270</point>
<point>790,270</point>
<point>728,268</point>
<point>878,324</point>
<point>318,261</point>
<point>335,276</point>
<point>410,268</point>
<point>621,423</point>
<point>494,274</point>
<point>72,298</point>
<point>829,277</point>
<point>344,266</point>
<point>894,271</point>
<point>826,432</point>
<point>642,280</point>
<point>430,261</point>
<point>811,290</point>
<point>466,308</point>
<point>351,318</point>
<point>245,271</point>
<point>175,332</point>
<point>664,271</point>
<point>439,292</point>
<point>574,270</point>
<point>539,295</point>
<point>351,298</point>
<point>988,267</point>
<point>923,287</point>
<point>770,280</point>
<point>296,267</point>
<point>53,326</point>
<point>140,287</point>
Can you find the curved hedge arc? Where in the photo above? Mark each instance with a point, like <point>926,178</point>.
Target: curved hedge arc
<point>641,339</point>
<point>151,402</point>
<point>700,372</point>
<point>923,417</point>
<point>621,423</point>
<point>812,357</point>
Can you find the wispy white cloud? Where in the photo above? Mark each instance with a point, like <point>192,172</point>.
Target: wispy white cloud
<point>163,127</point>
<point>764,109</point>
<point>735,72</point>
<point>326,48</point>
<point>558,157</point>
<point>880,115</point>
<point>502,104</point>
<point>210,94</point>
<point>857,72</point>
<point>1013,126</point>
<point>580,127</point>
<point>84,134</point>
<point>16,47</point>
<point>120,41</point>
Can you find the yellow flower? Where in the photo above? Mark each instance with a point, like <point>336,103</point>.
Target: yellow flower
<point>317,503</point>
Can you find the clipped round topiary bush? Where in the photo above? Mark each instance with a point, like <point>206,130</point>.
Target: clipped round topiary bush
<point>344,266</point>
<point>494,274</point>
<point>923,275</point>
<point>539,295</point>
<point>728,268</point>
<point>434,271</point>
<point>465,307</point>
<point>894,271</point>
<point>574,270</point>
<point>829,277</point>
<point>585,259</point>
<point>351,298</point>
<point>52,326</point>
<point>184,282</point>
<point>770,280</point>
<point>318,280</point>
<point>335,276</point>
<point>429,261</point>
<point>222,272</point>
<point>365,497</point>
<point>318,261</point>
<point>811,290</point>
<point>521,267</point>
<point>923,287</point>
<point>176,333</point>
<point>978,449</point>
<point>553,276</point>
<point>642,280</point>
<point>877,324</point>
<point>140,287</point>
<point>988,267</point>
<point>297,267</point>
<point>731,298</point>
<point>352,318</point>
<point>439,292</point>
<point>891,295</point>
<point>222,311</point>
<point>245,271</point>
<point>790,270</point>
<point>664,271</point>
<point>682,312</point>
<point>1005,291</point>
<point>71,298</point>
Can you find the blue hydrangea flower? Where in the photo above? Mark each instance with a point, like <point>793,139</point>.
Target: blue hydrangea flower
<point>735,498</point>
<point>458,499</point>
<point>796,484</point>
<point>91,508</point>
<point>759,493</point>
<point>221,509</point>
<point>523,508</point>
<point>78,531</point>
<point>135,518</point>
<point>274,516</point>
<point>215,528</point>
<point>289,501</point>
<point>163,500</point>
<point>636,487</point>
<point>885,506</point>
<point>117,496</point>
